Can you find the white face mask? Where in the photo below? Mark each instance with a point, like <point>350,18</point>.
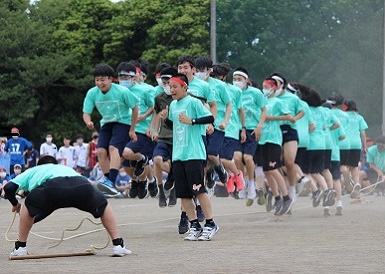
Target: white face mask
<point>80,142</point>
<point>159,81</point>
<point>3,174</point>
<point>267,92</point>
<point>201,75</point>
<point>239,84</point>
<point>126,83</point>
<point>15,137</point>
<point>48,139</point>
<point>167,89</point>
<point>17,171</point>
<point>122,174</point>
<point>278,91</point>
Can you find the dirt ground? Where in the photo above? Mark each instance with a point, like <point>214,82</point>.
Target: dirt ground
<point>249,240</point>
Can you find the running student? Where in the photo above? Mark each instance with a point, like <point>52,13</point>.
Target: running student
<point>114,103</point>
<point>52,187</point>
<point>185,116</point>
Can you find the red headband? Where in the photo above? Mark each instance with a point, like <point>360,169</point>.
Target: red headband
<point>344,107</point>
<point>270,83</point>
<point>138,69</point>
<point>180,81</point>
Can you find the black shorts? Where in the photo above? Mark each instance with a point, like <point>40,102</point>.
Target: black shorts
<point>344,156</point>
<point>314,161</point>
<point>189,178</point>
<point>335,170</point>
<point>62,192</point>
<point>288,134</point>
<point>354,157</point>
<point>328,159</point>
<point>300,157</point>
<point>371,175</point>
<point>270,156</point>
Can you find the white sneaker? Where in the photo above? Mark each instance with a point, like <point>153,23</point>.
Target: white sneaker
<point>326,211</point>
<point>356,191</point>
<point>208,233</point>
<point>21,251</point>
<point>119,251</point>
<point>301,184</point>
<point>339,208</point>
<point>194,234</point>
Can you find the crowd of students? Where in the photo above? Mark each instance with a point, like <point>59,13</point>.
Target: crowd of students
<point>266,142</point>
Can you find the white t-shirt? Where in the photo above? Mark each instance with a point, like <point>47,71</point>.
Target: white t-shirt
<point>66,156</point>
<point>81,155</point>
<point>46,149</point>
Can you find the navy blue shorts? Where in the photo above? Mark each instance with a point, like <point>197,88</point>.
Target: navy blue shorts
<point>249,146</point>
<point>227,151</point>
<point>335,170</point>
<point>144,145</point>
<point>189,178</point>
<point>314,161</point>
<point>288,134</point>
<point>114,134</point>
<point>270,156</point>
<point>300,157</point>
<point>215,142</point>
<point>328,159</point>
<point>62,192</point>
<point>371,175</point>
<point>257,158</point>
<point>163,150</point>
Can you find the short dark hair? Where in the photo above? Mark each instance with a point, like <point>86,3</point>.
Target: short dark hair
<point>184,59</point>
<point>47,159</point>
<point>166,72</point>
<point>161,67</point>
<point>182,77</point>
<point>126,66</point>
<point>221,69</point>
<point>380,140</point>
<point>203,62</point>
<point>350,105</point>
<point>144,65</point>
<point>280,75</point>
<point>242,69</point>
<point>103,70</point>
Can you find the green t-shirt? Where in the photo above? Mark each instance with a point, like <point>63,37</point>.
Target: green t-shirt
<point>145,101</point>
<point>271,131</point>
<point>330,119</point>
<point>374,157</point>
<point>294,104</point>
<point>355,126</point>
<point>335,134</point>
<point>317,137</point>
<point>187,139</point>
<point>114,106</point>
<point>344,122</point>
<point>201,89</point>
<point>222,98</point>
<point>38,175</point>
<point>253,101</point>
<point>235,125</point>
<point>303,126</point>
<point>158,89</point>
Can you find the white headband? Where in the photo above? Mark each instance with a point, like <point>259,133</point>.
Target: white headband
<point>129,73</point>
<point>166,76</point>
<point>238,72</point>
<point>278,78</point>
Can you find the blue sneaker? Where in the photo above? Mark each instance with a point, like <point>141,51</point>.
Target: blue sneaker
<point>108,187</point>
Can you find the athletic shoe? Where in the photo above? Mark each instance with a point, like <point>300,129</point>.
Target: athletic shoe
<point>208,232</point>
<point>317,197</point>
<point>239,181</point>
<point>210,181</point>
<point>21,251</point>
<point>230,184</point>
<point>200,214</point>
<point>194,234</point>
<point>108,187</point>
<point>269,201</point>
<point>211,192</point>
<point>153,188</point>
<point>325,201</point>
<point>347,183</point>
<point>169,184</point>
<point>242,193</point>
<point>326,211</point>
<point>356,191</point>
<point>133,163</point>
<point>261,197</point>
<point>222,173</point>
<point>134,189</point>
<point>162,197</point>
<point>235,194</point>
<point>119,251</point>
<point>142,189</point>
<point>286,206</point>
<point>278,207</point>
<point>172,198</point>
<point>331,197</point>
<point>183,225</point>
<point>251,194</point>
<point>339,208</point>
<point>139,168</point>
<point>301,184</point>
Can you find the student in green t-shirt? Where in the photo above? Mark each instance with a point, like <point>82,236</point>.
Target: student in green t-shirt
<point>185,115</point>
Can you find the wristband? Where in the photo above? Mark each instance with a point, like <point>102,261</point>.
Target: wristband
<point>192,122</point>
<point>244,128</point>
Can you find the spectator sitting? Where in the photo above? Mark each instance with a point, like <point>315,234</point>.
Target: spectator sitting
<point>32,157</point>
<point>96,174</point>
<point>123,183</point>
